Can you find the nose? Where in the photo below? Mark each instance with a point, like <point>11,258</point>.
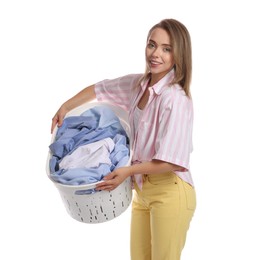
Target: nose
<point>156,52</point>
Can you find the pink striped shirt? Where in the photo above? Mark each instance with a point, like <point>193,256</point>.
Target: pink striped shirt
<point>165,126</point>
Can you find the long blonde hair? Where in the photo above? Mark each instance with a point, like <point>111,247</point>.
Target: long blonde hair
<point>182,53</point>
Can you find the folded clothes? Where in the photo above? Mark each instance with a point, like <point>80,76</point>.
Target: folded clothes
<point>88,147</point>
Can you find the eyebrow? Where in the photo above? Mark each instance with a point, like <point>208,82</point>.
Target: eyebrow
<point>164,44</point>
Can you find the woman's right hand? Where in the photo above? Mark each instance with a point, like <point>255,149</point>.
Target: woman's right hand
<point>58,117</point>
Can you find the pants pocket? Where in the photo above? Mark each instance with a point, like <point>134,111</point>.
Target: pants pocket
<point>190,195</point>
<point>162,178</point>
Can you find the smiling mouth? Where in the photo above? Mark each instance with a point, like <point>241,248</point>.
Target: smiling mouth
<point>155,63</point>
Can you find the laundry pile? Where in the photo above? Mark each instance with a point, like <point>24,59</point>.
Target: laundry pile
<point>88,147</point>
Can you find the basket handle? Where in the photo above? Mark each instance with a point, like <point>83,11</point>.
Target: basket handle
<point>90,189</point>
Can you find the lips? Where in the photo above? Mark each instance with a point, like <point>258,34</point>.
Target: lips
<point>153,62</point>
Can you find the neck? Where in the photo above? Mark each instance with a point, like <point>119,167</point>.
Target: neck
<point>155,78</point>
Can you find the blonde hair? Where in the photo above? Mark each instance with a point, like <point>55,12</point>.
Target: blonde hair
<point>182,53</point>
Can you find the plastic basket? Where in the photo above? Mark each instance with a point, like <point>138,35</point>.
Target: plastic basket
<point>100,206</point>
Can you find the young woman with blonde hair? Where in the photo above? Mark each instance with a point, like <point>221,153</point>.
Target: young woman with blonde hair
<point>160,112</point>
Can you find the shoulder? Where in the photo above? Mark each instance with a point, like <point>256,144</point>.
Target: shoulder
<point>174,97</point>
<point>174,93</point>
<point>131,77</point>
<point>126,80</point>
<point>128,77</point>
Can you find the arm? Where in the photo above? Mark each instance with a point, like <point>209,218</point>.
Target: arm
<point>155,166</point>
<point>85,95</point>
<point>116,177</point>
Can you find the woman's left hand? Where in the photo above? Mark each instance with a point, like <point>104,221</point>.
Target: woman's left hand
<point>115,178</point>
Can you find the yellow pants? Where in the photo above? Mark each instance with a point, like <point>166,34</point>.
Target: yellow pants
<point>161,215</point>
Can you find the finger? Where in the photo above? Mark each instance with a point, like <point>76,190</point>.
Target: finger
<point>54,123</point>
<point>110,176</point>
<point>104,184</point>
<point>107,187</point>
<point>60,120</point>
<point>57,120</point>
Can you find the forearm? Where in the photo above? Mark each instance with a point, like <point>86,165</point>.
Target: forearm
<point>85,95</point>
<point>153,167</point>
<point>112,180</point>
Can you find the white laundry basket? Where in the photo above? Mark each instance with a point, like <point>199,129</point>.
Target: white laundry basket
<point>100,206</point>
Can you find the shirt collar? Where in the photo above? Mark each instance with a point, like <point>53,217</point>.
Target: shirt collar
<point>159,86</point>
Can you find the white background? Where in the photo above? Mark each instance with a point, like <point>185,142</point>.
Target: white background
<point>52,49</point>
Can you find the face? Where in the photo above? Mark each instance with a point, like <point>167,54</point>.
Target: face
<point>159,54</point>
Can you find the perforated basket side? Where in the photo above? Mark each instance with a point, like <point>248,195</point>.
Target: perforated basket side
<point>96,207</point>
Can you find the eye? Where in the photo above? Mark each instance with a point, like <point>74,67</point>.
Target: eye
<point>151,45</point>
<point>167,49</point>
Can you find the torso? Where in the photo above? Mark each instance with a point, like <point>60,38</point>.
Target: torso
<point>144,99</point>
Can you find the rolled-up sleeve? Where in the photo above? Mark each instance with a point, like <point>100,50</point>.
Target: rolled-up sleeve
<point>119,91</point>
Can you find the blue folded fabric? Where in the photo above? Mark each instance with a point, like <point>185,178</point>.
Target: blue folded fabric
<point>93,125</point>
<point>81,176</point>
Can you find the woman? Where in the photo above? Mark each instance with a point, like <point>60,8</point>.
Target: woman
<point>160,115</point>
